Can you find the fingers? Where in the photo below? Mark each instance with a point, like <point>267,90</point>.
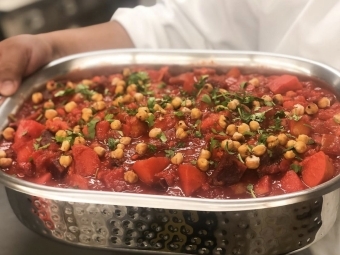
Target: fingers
<point>14,58</point>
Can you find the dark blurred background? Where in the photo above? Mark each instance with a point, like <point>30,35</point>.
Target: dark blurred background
<point>39,16</point>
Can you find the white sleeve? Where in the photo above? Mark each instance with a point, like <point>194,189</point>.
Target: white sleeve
<point>195,24</point>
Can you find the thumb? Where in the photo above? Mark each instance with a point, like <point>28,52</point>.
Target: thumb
<point>8,87</point>
<point>14,58</point>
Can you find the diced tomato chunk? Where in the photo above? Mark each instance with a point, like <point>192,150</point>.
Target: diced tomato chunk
<point>211,122</point>
<point>114,179</point>
<point>191,178</point>
<point>290,182</point>
<point>56,124</point>
<point>284,83</point>
<point>24,152</point>
<point>86,161</point>
<point>28,130</point>
<point>317,169</point>
<point>300,127</point>
<point>157,75</point>
<point>234,72</point>
<point>186,80</point>
<point>330,144</point>
<point>43,179</point>
<point>102,129</point>
<point>263,186</point>
<point>147,168</point>
<point>76,181</point>
<point>134,127</point>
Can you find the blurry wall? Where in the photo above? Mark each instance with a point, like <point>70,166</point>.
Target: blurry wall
<point>39,16</point>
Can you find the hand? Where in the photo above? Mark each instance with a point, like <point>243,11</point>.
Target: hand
<point>21,56</point>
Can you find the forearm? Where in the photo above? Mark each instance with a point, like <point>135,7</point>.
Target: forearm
<point>108,35</point>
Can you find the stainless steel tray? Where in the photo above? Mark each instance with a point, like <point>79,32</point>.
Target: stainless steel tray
<point>109,220</point>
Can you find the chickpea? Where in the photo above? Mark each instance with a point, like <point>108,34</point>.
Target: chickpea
<point>79,140</point>
<point>227,144</point>
<point>155,132</point>
<point>126,72</point>
<point>8,133</point>
<point>49,104</point>
<point>188,103</point>
<point>76,129</point>
<point>118,101</point>
<point>311,109</point>
<point>208,87</point>
<point>298,110</point>
<point>177,159</point>
<point>259,150</point>
<point>196,113</point>
<point>272,141</point>
<point>169,106</point>
<point>144,109</point>
<point>2,154</point>
<point>61,133</point>
<point>267,99</point>
<point>256,104</point>
<point>203,164</point>
<point>117,153</point>
<point>278,99</point>
<point>252,162</point>
<point>65,146</point>
<point>185,110</point>
<point>51,85</point>
<point>65,161</point>
<point>138,97</point>
<point>232,105</point>
<point>205,154</point>
<point>120,146</point>
<point>176,102</point>
<point>127,99</point>
<point>70,106</point>
<point>255,82</point>
<point>119,89</point>
<point>291,93</point>
<point>181,124</point>
<point>114,81</point>
<point>300,147</point>
<point>283,139</point>
<point>158,108</point>
<point>231,129</point>
<point>336,118</point>
<point>303,138</point>
<point>131,88</point>
<point>324,103</point>
<point>222,121</point>
<point>125,140</point>
<point>99,150</point>
<point>121,83</point>
<point>290,143</point>
<point>87,82</point>
<point>236,145</point>
<point>130,177</point>
<point>99,105</point>
<point>181,133</point>
<point>50,114</point>
<point>86,114</point>
<point>141,148</point>
<point>289,154</point>
<point>222,91</point>
<point>116,125</point>
<point>70,85</point>
<point>243,128</point>
<point>254,125</point>
<point>5,162</point>
<point>243,150</point>
<point>237,136</point>
<point>37,98</point>
<point>97,97</point>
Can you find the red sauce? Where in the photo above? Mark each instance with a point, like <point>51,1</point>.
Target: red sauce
<point>200,133</point>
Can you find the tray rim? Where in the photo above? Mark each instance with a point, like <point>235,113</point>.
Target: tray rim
<point>161,201</point>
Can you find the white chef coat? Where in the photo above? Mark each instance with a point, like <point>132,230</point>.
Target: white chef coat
<point>305,28</point>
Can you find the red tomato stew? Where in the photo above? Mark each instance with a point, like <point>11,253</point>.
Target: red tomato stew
<point>199,133</point>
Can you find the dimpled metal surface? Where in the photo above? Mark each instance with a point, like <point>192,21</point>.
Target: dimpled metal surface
<point>270,231</point>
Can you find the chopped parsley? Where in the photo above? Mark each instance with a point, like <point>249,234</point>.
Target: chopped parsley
<point>112,143</point>
<point>250,188</point>
<point>92,128</point>
<point>296,168</point>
